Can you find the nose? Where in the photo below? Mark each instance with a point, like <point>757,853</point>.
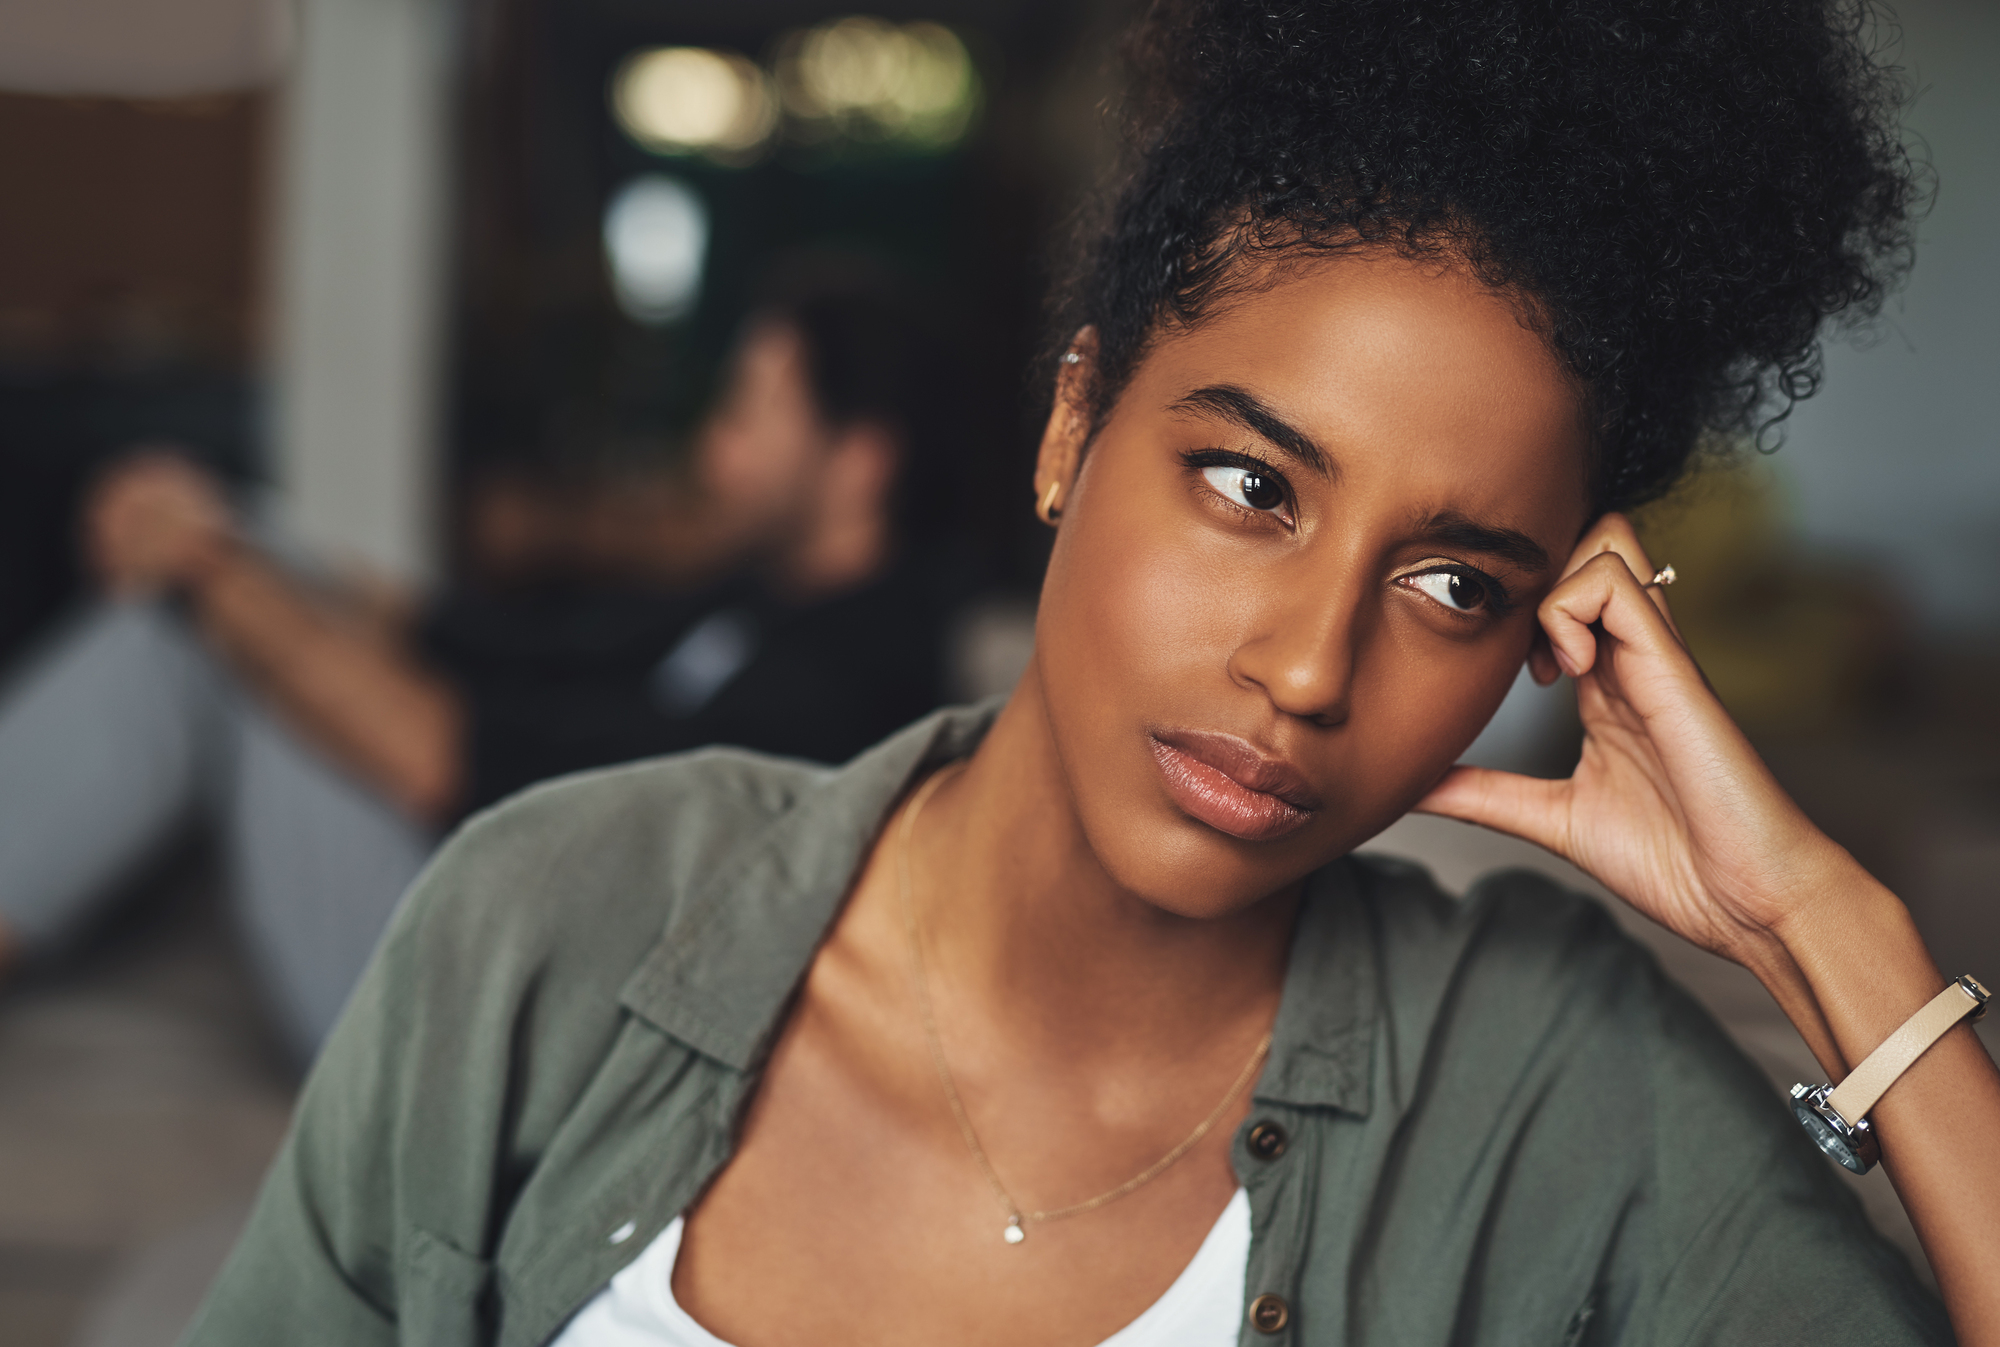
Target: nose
<point>1300,650</point>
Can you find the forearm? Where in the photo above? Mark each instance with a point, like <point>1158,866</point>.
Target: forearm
<point>355,695</point>
<point>652,532</point>
<point>1866,968</point>
<point>647,527</point>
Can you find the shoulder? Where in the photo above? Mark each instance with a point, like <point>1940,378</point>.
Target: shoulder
<point>1523,980</point>
<point>1561,1043</point>
<point>623,845</point>
<point>526,931</point>
<point>1519,945</point>
<point>510,952</point>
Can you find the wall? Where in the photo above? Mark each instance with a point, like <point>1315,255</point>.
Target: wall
<point>363,164</point>
<point>1898,458</point>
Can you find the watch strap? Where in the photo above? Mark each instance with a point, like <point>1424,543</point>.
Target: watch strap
<point>1867,1083</point>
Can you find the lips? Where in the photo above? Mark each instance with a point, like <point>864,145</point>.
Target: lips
<point>1226,783</point>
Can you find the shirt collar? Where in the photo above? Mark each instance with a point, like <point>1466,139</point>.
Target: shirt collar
<point>722,976</point>
<point>1323,1044</point>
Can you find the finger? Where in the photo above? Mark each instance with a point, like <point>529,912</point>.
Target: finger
<point>1614,533</point>
<point>1522,806</point>
<point>1603,591</point>
<point>103,534</point>
<point>1542,666</point>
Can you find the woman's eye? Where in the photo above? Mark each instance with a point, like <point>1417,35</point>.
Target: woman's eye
<point>1246,487</point>
<point>1456,590</point>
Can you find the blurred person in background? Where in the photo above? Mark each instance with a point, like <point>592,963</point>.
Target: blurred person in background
<point>333,731</point>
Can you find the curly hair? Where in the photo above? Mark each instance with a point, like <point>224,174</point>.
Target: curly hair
<point>1682,190</point>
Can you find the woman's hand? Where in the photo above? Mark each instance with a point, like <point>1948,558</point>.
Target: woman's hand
<point>1669,806</point>
<point>1671,809</point>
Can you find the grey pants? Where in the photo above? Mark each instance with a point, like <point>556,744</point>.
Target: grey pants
<point>125,730</point>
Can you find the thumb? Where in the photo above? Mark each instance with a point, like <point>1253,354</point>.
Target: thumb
<point>1524,806</point>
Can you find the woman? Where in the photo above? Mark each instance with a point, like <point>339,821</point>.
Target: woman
<point>1072,1021</point>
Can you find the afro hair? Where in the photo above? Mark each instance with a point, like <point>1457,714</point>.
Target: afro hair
<point>1683,190</point>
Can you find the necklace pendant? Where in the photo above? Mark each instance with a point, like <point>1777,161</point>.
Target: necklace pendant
<point>1013,1234</point>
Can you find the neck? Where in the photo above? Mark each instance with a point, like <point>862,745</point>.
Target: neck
<point>1019,916</point>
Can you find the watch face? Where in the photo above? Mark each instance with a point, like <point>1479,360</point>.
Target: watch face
<point>1833,1143</point>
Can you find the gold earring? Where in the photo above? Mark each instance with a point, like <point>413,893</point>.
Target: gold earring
<point>1045,508</point>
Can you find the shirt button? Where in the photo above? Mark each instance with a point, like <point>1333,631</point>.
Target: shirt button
<point>1269,1313</point>
<point>1268,1140</point>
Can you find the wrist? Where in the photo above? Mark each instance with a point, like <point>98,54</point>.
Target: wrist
<point>1861,960</point>
<point>1801,885</point>
<point>209,567</point>
<point>1839,952</point>
<point>1832,904</point>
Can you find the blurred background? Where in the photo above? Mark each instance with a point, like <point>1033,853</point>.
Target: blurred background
<point>484,314</point>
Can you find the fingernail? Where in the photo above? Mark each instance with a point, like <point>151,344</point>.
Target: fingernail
<point>1563,659</point>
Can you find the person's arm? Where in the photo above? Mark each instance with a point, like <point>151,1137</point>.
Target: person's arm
<point>157,524</point>
<point>361,699</point>
<point>651,528</point>
<point>1671,808</point>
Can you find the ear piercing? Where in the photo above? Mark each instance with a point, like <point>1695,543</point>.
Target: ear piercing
<point>1045,508</point>
<point>1071,358</point>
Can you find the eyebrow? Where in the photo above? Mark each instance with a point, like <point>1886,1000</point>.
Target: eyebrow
<point>1232,403</point>
<point>1449,528</point>
<point>1446,528</point>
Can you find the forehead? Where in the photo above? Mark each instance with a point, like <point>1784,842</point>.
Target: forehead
<point>1396,366</point>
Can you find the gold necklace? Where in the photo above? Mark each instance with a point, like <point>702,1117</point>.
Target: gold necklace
<point>1017,1220</point>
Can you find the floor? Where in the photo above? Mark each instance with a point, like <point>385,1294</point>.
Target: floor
<point>139,1105</point>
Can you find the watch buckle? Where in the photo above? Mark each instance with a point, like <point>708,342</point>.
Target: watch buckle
<point>1975,989</point>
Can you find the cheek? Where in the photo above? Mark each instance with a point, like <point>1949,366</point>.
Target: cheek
<point>1133,610</point>
<point>1420,702</point>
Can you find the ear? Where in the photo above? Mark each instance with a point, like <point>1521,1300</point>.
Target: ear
<point>1068,428</point>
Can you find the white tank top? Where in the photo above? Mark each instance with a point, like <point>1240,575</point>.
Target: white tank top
<point>1203,1308</point>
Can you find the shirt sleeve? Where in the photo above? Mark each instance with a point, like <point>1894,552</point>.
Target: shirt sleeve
<point>1759,1238</point>
<point>482,1020</point>
<point>338,1250</point>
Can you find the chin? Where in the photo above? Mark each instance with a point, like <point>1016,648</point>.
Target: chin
<point>1186,868</point>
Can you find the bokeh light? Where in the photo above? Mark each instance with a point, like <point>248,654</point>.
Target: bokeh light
<point>656,243</point>
<point>682,100</point>
<point>914,82</point>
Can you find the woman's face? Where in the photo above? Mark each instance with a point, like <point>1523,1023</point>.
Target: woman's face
<point>1298,570</point>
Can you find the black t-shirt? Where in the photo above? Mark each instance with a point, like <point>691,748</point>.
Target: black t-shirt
<point>585,676</point>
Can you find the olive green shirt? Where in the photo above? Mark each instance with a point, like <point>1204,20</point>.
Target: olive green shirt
<point>1497,1122</point>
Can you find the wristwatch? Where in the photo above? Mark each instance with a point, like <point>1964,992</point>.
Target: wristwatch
<point>1837,1119</point>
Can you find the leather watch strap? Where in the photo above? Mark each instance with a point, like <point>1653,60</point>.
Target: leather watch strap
<point>1867,1083</point>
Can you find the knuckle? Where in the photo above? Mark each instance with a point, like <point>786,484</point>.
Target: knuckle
<point>1614,564</point>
